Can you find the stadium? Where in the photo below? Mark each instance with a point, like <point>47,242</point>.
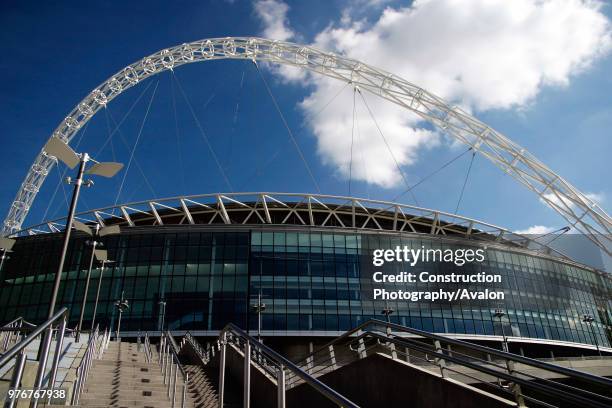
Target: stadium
<point>296,269</point>
<point>208,257</point>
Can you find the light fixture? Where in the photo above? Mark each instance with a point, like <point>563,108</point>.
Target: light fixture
<point>499,313</point>
<point>59,149</point>
<point>588,319</point>
<point>100,255</point>
<point>6,245</point>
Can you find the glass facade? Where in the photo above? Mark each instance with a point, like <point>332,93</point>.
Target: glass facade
<point>310,280</point>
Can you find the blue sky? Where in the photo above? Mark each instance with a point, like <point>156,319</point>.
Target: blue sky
<point>545,84</point>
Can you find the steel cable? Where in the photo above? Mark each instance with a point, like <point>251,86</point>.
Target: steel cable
<point>127,168</point>
<point>288,128</point>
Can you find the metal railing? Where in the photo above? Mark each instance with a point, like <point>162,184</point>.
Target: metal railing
<point>204,354</point>
<point>96,346</point>
<point>147,348</point>
<point>274,366</point>
<point>11,332</point>
<point>170,366</point>
<point>17,353</point>
<point>145,343</point>
<point>492,369</point>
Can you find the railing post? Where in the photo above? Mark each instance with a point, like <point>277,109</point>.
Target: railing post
<point>7,338</point>
<point>161,348</point>
<point>247,375</point>
<point>407,355</point>
<point>332,357</point>
<point>58,351</point>
<point>391,344</point>
<point>440,361</point>
<point>280,387</point>
<point>84,373</point>
<point>17,374</point>
<point>162,357</point>
<point>75,388</point>
<point>222,369</point>
<point>516,388</point>
<point>167,365</point>
<point>174,384</point>
<point>361,348</point>
<point>42,363</point>
<point>310,358</point>
<point>185,382</point>
<point>170,379</point>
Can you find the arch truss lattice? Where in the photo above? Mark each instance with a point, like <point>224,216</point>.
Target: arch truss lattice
<point>577,208</point>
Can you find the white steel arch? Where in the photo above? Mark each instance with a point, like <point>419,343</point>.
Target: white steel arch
<point>579,210</point>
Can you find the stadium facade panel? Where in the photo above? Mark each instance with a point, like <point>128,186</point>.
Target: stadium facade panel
<point>310,277</point>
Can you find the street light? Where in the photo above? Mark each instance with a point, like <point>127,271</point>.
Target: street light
<point>121,305</point>
<point>259,308</point>
<point>499,313</point>
<point>6,245</point>
<point>162,306</point>
<point>60,150</point>
<point>387,311</point>
<point>590,319</point>
<point>97,233</point>
<point>101,255</point>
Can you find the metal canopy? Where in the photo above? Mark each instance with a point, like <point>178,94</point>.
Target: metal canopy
<point>579,210</point>
<point>305,210</point>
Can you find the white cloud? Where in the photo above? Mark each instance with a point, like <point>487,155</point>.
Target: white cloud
<point>536,230</point>
<point>481,54</point>
<point>273,14</point>
<point>372,160</point>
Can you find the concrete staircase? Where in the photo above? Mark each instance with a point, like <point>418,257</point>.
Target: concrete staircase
<point>201,389</point>
<point>123,378</point>
<point>71,356</point>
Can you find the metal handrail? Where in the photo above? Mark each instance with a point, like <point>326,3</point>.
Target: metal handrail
<point>147,347</point>
<point>204,355</point>
<point>273,364</point>
<point>484,349</point>
<point>558,389</point>
<point>93,352</point>
<point>170,366</point>
<point>13,329</point>
<point>442,357</point>
<point>19,319</point>
<point>18,352</point>
<point>282,364</point>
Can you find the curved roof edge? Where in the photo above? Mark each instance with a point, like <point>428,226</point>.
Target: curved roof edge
<point>296,209</point>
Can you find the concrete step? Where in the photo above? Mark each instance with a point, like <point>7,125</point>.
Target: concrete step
<point>97,388</point>
<point>130,393</point>
<point>131,403</point>
<point>201,388</point>
<point>117,381</point>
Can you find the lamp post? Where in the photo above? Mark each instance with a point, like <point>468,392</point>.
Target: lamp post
<point>259,308</point>
<point>589,320</point>
<point>102,256</point>
<point>121,305</point>
<point>6,245</point>
<point>499,313</point>
<point>58,148</point>
<point>97,233</point>
<point>387,311</point>
<point>162,306</point>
